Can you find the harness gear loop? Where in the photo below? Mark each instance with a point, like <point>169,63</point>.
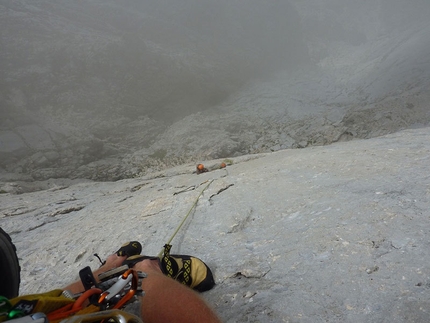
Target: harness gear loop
<point>105,316</point>
<point>103,297</point>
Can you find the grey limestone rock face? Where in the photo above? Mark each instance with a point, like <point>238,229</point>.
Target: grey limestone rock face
<point>337,233</point>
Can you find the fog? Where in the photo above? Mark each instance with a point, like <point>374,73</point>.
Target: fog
<point>164,59</point>
<point>157,81</point>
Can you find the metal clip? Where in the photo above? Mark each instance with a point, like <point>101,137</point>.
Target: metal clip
<point>117,315</point>
<point>113,273</point>
<point>72,308</point>
<point>129,275</point>
<point>33,318</point>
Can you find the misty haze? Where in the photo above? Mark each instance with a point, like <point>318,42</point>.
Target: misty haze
<point>106,90</point>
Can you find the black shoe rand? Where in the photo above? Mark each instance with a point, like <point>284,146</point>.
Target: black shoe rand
<point>130,248</point>
<point>188,270</point>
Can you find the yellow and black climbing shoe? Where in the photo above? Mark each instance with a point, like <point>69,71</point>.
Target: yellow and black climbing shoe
<point>130,248</point>
<point>187,270</point>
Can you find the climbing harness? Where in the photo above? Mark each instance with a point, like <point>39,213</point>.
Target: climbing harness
<point>114,291</point>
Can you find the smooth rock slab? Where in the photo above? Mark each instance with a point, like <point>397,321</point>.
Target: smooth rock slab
<point>323,234</point>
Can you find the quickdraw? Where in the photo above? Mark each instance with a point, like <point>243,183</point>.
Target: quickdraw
<point>115,297</point>
<point>75,307</point>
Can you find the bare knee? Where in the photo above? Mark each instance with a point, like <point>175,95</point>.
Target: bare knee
<point>147,265</point>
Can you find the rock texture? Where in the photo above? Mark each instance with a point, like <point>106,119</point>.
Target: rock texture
<point>324,234</point>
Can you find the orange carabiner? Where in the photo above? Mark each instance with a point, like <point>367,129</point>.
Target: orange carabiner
<point>129,275</point>
<point>71,309</point>
<point>131,292</point>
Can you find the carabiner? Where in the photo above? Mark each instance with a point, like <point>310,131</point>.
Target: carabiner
<point>5,306</point>
<point>6,309</point>
<point>75,307</point>
<point>104,316</point>
<point>129,275</point>
<point>32,318</point>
